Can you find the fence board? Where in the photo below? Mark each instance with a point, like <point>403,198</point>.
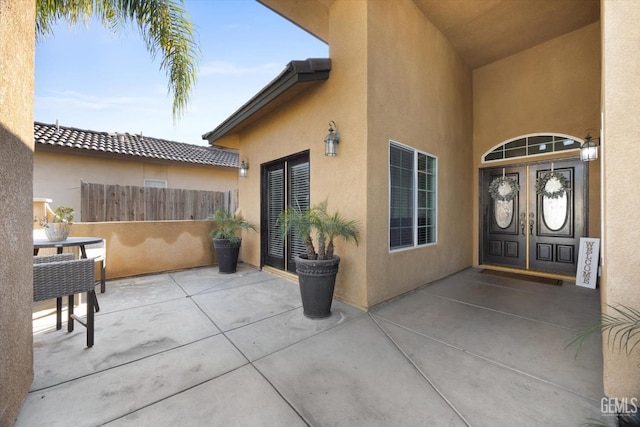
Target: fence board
<point>104,202</point>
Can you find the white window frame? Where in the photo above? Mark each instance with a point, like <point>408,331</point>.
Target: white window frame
<point>415,198</point>
<point>528,155</point>
<point>155,183</point>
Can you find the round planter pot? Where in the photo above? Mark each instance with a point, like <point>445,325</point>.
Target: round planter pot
<point>227,254</point>
<point>57,231</point>
<point>317,279</point>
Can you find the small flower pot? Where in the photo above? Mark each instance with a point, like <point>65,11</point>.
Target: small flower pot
<point>57,231</point>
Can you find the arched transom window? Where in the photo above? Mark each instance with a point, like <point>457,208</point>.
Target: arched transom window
<point>531,145</point>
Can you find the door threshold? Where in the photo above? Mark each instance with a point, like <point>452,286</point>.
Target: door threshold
<point>284,274</point>
<point>563,277</point>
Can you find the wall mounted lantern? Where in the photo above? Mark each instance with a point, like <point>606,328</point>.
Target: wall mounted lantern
<point>244,168</point>
<point>331,140</point>
<point>589,149</point>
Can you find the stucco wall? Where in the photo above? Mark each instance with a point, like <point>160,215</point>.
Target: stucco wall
<point>135,248</point>
<point>301,125</point>
<point>621,108</point>
<point>57,176</point>
<point>419,94</point>
<point>380,88</point>
<point>16,149</point>
<point>551,88</point>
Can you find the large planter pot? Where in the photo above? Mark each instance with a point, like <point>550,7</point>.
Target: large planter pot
<point>317,279</point>
<point>57,231</point>
<point>227,254</point>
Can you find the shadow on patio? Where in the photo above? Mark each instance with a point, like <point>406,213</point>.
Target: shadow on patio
<point>195,347</point>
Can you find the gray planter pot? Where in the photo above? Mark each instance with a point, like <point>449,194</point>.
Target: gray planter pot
<point>317,279</point>
<point>227,255</point>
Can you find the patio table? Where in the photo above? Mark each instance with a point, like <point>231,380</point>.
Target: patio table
<point>71,241</point>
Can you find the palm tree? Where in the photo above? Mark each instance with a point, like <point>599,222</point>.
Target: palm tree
<point>164,25</point>
<point>318,222</point>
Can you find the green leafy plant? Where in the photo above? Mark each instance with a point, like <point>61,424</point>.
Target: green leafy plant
<point>60,214</point>
<point>318,223</point>
<point>621,328</point>
<point>228,225</point>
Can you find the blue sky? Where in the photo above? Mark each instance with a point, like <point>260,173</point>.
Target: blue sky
<point>91,78</point>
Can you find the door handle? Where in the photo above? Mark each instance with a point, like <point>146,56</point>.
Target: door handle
<point>531,223</point>
<point>523,221</point>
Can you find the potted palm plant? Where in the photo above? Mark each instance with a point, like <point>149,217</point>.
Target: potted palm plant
<point>317,270</point>
<point>226,240</point>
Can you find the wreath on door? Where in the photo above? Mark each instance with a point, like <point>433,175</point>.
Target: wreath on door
<point>558,187</point>
<point>504,189</point>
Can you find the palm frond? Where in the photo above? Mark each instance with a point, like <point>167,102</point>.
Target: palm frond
<point>621,327</point>
<point>164,25</point>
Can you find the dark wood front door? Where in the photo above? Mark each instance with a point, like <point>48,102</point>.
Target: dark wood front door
<point>285,182</point>
<point>504,232</point>
<point>534,231</point>
<point>557,223</point>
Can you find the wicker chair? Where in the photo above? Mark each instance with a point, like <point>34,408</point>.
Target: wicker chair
<point>56,276</point>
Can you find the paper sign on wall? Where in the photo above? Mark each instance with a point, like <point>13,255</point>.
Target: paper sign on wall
<point>587,273</point>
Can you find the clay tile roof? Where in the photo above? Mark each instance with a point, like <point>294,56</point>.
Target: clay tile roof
<point>130,145</point>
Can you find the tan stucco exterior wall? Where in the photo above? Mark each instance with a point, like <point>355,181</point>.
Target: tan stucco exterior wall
<point>302,125</point>
<point>17,32</point>
<point>135,248</point>
<point>418,94</point>
<point>551,88</point>
<point>57,176</point>
<point>380,88</point>
<point>621,113</point>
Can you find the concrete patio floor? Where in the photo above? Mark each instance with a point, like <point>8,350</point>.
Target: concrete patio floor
<point>196,348</point>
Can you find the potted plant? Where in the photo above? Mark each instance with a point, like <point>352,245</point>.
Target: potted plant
<point>59,227</point>
<point>317,270</point>
<point>225,238</point>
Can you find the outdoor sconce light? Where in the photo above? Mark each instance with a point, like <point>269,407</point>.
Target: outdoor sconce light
<point>589,149</point>
<point>244,168</point>
<point>331,140</point>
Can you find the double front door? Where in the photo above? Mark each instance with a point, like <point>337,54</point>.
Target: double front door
<point>540,226</point>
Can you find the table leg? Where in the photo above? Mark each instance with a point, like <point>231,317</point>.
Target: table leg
<point>58,313</point>
<point>70,311</point>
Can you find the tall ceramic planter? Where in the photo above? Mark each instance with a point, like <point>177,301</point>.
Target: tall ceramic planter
<point>317,279</point>
<point>227,253</point>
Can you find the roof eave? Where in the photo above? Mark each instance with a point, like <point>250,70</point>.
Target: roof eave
<point>62,149</point>
<point>296,72</point>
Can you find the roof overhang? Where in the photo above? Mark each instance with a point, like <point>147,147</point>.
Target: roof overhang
<point>49,148</point>
<point>297,77</point>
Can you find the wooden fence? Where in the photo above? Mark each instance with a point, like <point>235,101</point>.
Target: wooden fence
<point>103,202</point>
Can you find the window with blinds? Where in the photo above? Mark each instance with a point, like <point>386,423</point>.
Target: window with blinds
<point>412,197</point>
